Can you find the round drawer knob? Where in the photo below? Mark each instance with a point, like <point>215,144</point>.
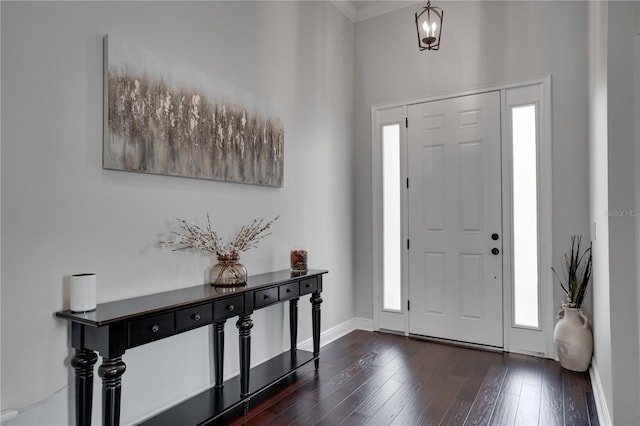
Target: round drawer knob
<point>230,307</point>
<point>308,286</point>
<point>155,328</point>
<point>266,296</point>
<point>288,290</point>
<point>195,317</point>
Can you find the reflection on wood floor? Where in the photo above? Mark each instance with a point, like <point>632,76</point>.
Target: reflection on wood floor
<point>370,378</point>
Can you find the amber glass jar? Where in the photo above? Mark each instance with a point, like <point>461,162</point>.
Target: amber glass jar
<point>299,257</point>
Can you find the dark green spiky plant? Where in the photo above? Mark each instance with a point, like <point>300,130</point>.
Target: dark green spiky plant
<point>576,269</point>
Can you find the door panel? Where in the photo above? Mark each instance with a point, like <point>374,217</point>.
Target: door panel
<point>434,188</point>
<point>435,283</point>
<point>470,175</point>
<point>454,205</point>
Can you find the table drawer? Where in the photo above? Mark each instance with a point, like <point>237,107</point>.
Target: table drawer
<point>228,307</point>
<point>265,297</point>
<point>308,286</point>
<point>150,329</point>
<point>288,291</point>
<point>193,317</point>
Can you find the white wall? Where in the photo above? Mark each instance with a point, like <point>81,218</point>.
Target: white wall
<point>612,25</point>
<point>483,44</point>
<point>63,214</point>
<point>623,23</point>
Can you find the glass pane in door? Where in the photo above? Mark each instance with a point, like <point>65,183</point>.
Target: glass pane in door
<point>391,217</point>
<point>525,215</point>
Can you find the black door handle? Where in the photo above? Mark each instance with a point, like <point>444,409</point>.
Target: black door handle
<point>495,251</point>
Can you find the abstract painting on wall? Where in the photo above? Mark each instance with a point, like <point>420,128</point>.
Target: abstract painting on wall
<point>173,120</point>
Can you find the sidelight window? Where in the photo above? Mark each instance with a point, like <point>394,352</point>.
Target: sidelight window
<point>392,272</point>
<point>525,215</point>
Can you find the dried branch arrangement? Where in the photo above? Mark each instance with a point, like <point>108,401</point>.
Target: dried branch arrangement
<point>192,236</point>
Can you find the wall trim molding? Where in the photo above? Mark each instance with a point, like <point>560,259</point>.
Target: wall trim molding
<point>598,395</point>
<point>361,11</point>
<point>336,332</point>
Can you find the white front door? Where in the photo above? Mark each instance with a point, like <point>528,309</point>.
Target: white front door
<point>455,224</point>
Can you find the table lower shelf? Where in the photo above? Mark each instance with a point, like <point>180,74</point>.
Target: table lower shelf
<point>214,402</point>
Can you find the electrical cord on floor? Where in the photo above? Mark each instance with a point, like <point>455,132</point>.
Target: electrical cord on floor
<point>12,413</point>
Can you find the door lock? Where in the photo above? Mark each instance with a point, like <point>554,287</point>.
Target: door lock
<point>495,236</point>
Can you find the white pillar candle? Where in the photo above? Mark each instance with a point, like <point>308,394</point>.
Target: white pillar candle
<point>83,292</point>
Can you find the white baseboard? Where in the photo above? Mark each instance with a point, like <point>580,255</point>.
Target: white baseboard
<point>337,332</point>
<point>598,395</point>
<point>363,324</point>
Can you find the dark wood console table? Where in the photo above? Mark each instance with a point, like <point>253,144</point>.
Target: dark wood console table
<point>117,326</point>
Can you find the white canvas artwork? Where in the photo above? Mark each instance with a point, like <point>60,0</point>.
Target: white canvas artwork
<point>172,120</point>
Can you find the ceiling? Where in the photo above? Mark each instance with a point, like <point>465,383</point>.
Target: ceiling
<point>360,10</point>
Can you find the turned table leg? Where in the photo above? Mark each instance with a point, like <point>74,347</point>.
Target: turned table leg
<point>244,325</point>
<point>111,372</point>
<point>218,353</point>
<point>293,324</point>
<point>83,363</point>
<point>316,300</point>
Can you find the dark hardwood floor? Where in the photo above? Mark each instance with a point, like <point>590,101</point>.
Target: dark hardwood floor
<point>382,379</point>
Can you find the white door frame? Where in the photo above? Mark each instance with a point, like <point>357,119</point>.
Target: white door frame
<point>383,116</point>
<point>544,205</point>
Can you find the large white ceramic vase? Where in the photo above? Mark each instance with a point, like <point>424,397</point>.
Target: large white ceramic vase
<point>574,340</point>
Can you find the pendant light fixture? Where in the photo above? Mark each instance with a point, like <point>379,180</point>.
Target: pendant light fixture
<point>429,27</point>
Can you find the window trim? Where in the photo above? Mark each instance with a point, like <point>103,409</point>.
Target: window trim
<point>519,338</point>
<point>381,116</point>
